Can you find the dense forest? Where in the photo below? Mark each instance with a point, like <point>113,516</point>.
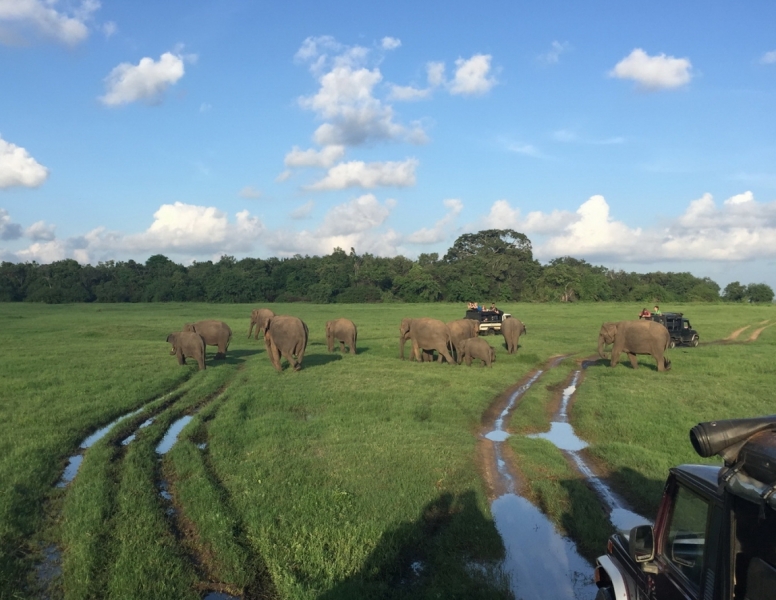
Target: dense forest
<point>495,265</point>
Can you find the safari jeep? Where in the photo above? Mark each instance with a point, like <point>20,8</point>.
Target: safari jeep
<point>680,329</point>
<point>714,537</point>
<point>490,321</point>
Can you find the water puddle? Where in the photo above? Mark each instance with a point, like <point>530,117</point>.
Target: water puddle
<point>539,562</point>
<point>219,596</point>
<point>74,462</point>
<point>169,439</point>
<point>562,435</point>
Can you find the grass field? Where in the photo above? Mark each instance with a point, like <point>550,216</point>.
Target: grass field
<point>334,481</point>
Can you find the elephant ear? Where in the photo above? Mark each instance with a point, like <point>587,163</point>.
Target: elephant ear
<point>171,338</point>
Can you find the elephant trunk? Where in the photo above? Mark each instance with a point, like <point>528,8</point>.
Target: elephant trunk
<point>601,344</point>
<point>402,342</point>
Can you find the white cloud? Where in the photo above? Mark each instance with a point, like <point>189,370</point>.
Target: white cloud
<point>39,231</point>
<point>303,212</point>
<point>147,80</point>
<point>435,73</point>
<point>741,229</point>
<point>523,148</point>
<point>472,76</point>
<point>41,18</point>
<point>18,168</point>
<point>8,229</point>
<point>503,216</point>
<point>45,252</point>
<point>390,43</point>
<point>355,224</point>
<point>769,58</point>
<point>440,230</point>
<point>249,192</point>
<point>346,100</point>
<point>325,157</point>
<point>407,93</point>
<point>368,175</point>
<point>553,56</point>
<point>653,72</point>
<point>284,176</point>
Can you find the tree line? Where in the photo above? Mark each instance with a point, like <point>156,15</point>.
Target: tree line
<point>495,265</point>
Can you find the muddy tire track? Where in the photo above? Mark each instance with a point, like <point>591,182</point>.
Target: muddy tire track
<point>213,574</point>
<point>756,333</point>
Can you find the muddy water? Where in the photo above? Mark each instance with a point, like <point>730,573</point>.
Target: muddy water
<point>74,462</point>
<point>562,435</point>
<point>539,562</point>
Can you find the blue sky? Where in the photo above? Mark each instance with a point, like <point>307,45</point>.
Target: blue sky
<point>641,138</point>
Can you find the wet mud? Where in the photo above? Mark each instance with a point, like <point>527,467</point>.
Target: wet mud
<point>539,561</point>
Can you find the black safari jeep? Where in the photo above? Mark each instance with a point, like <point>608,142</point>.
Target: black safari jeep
<point>715,533</point>
<point>490,321</point>
<point>680,329</point>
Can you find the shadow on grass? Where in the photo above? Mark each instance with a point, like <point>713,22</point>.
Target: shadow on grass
<point>317,360</point>
<point>450,551</point>
<point>587,520</point>
<point>234,357</point>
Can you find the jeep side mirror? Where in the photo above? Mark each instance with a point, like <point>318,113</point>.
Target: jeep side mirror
<point>641,544</point>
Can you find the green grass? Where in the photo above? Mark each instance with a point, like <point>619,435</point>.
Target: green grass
<point>330,482</point>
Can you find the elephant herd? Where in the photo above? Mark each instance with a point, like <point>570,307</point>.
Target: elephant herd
<point>284,337</point>
<point>456,341</point>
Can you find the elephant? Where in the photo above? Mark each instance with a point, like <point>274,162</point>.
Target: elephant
<point>511,329</point>
<point>258,318</point>
<point>477,348</point>
<point>215,333</point>
<point>425,334</point>
<point>343,330</point>
<point>285,336</point>
<point>188,344</point>
<point>460,330</point>
<point>635,337</point>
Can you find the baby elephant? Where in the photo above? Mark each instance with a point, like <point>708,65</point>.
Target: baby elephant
<point>343,330</point>
<point>188,344</point>
<point>477,348</point>
<point>215,333</point>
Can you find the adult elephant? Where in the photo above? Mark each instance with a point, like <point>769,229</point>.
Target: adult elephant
<point>425,334</point>
<point>187,344</point>
<point>479,349</point>
<point>215,333</point>
<point>259,318</point>
<point>343,330</point>
<point>512,329</point>
<point>460,330</point>
<point>635,337</point>
<point>285,336</point>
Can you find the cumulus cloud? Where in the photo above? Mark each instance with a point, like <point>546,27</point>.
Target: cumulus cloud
<point>146,81</point>
<point>39,17</point>
<point>355,224</point>
<point>40,231</point>
<point>740,229</point>
<point>553,56</point>
<point>472,76</point>
<point>325,157</point>
<point>8,229</point>
<point>368,175</point>
<point>659,72</point>
<point>18,168</point>
<point>441,229</point>
<point>769,58</point>
<point>390,43</point>
<point>407,93</point>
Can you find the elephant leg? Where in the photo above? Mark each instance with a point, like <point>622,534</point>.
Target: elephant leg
<point>330,343</point>
<point>290,358</point>
<point>274,355</point>
<point>416,351</point>
<point>250,330</point>
<point>181,358</point>
<point>201,362</point>
<point>353,346</point>
<point>633,360</point>
<point>342,346</point>
<point>468,359</point>
<point>446,354</point>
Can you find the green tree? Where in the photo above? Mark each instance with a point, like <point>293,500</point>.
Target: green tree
<point>734,292</point>
<point>759,292</point>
